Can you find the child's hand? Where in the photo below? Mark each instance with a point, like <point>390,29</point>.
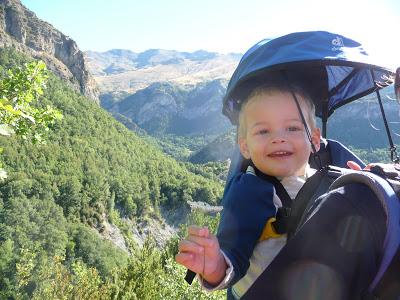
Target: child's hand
<point>200,252</point>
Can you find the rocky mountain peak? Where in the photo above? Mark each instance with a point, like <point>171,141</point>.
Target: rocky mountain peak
<point>23,31</point>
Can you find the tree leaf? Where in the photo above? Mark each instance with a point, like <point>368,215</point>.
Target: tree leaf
<point>6,130</point>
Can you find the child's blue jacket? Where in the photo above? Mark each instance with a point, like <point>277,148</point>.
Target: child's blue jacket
<point>247,206</point>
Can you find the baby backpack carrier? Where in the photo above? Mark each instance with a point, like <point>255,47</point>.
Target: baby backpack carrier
<point>385,184</point>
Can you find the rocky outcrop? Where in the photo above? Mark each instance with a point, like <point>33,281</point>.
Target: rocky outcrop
<point>167,108</point>
<point>22,30</point>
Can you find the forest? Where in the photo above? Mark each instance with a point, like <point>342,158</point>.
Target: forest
<point>63,187</point>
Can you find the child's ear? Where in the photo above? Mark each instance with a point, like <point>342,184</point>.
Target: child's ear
<point>316,138</point>
<point>244,149</point>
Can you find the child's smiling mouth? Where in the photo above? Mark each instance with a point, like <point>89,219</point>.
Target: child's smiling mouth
<point>280,154</point>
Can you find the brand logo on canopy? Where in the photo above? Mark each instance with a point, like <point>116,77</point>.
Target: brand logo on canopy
<point>337,43</point>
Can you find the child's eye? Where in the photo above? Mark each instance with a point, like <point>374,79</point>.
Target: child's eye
<point>262,131</point>
<point>294,128</point>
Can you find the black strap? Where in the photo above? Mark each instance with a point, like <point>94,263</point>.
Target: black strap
<point>279,188</point>
<point>283,213</point>
<point>393,154</point>
<point>397,85</point>
<point>322,158</point>
<point>303,119</point>
<point>280,225</point>
<point>190,275</point>
<point>315,185</point>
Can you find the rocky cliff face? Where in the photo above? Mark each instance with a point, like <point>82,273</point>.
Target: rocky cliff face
<point>23,31</point>
<point>174,109</point>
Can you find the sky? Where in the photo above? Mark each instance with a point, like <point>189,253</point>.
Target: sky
<point>219,25</point>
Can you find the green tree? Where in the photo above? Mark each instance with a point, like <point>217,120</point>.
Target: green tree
<point>57,282</point>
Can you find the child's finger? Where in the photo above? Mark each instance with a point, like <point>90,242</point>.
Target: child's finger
<point>198,231</point>
<point>201,241</point>
<point>190,246</point>
<point>184,258</point>
<point>187,260</point>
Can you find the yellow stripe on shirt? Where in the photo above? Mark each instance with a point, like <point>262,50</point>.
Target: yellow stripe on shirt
<point>268,231</point>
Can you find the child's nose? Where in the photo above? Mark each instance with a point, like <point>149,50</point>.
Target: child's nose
<point>279,138</point>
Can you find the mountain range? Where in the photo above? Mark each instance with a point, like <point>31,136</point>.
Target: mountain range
<point>123,71</point>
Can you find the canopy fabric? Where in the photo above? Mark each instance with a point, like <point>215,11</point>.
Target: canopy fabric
<point>334,69</point>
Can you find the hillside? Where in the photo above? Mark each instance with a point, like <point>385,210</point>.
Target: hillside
<point>99,145</point>
<point>164,108</point>
<point>220,149</point>
<point>93,179</point>
<point>360,123</point>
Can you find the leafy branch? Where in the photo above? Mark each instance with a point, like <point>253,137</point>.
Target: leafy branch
<point>20,90</point>
<point>20,113</point>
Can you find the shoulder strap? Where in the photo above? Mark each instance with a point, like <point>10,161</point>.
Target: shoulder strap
<point>315,186</point>
<point>386,284</point>
<point>303,200</point>
<point>279,188</point>
<point>321,158</point>
<point>292,214</point>
<point>283,213</point>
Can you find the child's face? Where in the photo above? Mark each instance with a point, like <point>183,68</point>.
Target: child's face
<point>275,139</point>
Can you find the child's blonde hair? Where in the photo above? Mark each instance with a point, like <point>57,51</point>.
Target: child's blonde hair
<point>262,90</point>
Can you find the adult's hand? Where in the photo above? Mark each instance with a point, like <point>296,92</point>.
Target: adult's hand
<point>390,170</point>
<point>354,166</point>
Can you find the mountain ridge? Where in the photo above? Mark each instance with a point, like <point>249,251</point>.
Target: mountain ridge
<point>120,70</point>
<point>22,30</point>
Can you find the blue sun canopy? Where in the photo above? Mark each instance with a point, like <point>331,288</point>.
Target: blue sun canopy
<point>334,69</point>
